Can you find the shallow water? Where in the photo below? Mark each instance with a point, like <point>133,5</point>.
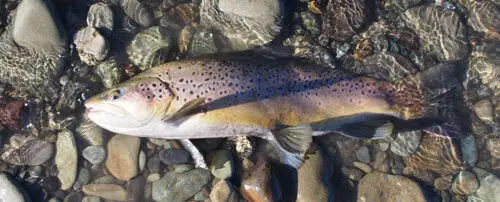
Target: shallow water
<point>55,54</point>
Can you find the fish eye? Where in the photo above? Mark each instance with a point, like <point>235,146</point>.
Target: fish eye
<point>115,94</point>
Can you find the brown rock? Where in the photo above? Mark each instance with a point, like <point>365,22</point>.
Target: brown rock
<point>106,191</point>
<point>123,156</point>
<point>223,192</point>
<point>310,185</point>
<point>343,18</point>
<point>255,186</point>
<point>380,187</point>
<point>443,183</point>
<point>436,154</point>
<point>9,113</point>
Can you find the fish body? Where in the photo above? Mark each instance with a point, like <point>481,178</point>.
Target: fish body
<point>253,96</point>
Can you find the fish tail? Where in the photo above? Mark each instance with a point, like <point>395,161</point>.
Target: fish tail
<point>430,96</point>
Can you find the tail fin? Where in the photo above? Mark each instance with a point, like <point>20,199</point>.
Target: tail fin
<point>433,93</point>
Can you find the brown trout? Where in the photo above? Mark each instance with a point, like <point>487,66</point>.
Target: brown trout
<point>284,101</point>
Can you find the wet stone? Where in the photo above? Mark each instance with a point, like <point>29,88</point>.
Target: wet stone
<point>135,189</point>
<point>380,187</point>
<point>101,17</point>
<point>469,150</point>
<point>223,192</point>
<point>90,132</point>
<point>175,187</point>
<point>255,185</point>
<point>123,156</point>
<point>153,164</point>
<point>106,191</point>
<point>138,12</point>
<point>483,17</point>
<point>94,154</point>
<point>443,183</point>
<point>10,190</point>
<point>92,47</point>
<point>30,152</point>
<point>484,110</point>
<point>352,173</point>
<point>489,187</point>
<point>66,159</point>
<point>83,179</point>
<point>91,199</point>
<point>149,48</point>
<point>174,156</point>
<point>406,143</point>
<point>363,154</point>
<point>363,166</point>
<point>493,146</point>
<point>386,65</point>
<point>465,183</point>
<point>221,164</point>
<point>342,19</point>
<point>310,175</point>
<point>110,73</point>
<point>142,161</point>
<point>180,168</point>
<point>441,31</point>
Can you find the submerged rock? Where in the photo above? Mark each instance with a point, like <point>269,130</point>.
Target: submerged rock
<point>255,185</point>
<point>90,132</point>
<point>10,190</point>
<point>493,146</point>
<point>469,150</point>
<point>110,73</point>
<point>179,187</point>
<point>489,187</point>
<point>100,16</point>
<point>311,186</point>
<point>138,12</point>
<point>441,31</point>
<point>66,159</point>
<point>483,17</point>
<point>174,156</point>
<point>406,143</point>
<point>380,187</point>
<point>223,191</point>
<point>221,164</point>
<point>343,19</point>
<point>30,152</point>
<point>484,110</point>
<point>106,191</point>
<point>465,183</point>
<point>386,65</point>
<point>149,48</point>
<point>123,156</point>
<point>245,23</point>
<point>92,47</point>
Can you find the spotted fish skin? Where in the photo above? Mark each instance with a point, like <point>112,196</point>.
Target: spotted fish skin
<point>263,93</point>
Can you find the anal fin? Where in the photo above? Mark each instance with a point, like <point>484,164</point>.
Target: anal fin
<point>291,143</point>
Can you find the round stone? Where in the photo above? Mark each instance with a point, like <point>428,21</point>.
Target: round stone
<point>174,156</point>
<point>66,159</point>
<point>92,47</point>
<point>221,164</point>
<point>406,143</point>
<point>94,154</point>
<point>484,110</point>
<point>465,183</point>
<point>101,17</point>
<point>363,154</point>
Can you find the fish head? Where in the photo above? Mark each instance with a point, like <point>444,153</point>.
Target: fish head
<point>130,107</point>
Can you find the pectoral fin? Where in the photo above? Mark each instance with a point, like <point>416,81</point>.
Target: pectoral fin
<point>186,109</point>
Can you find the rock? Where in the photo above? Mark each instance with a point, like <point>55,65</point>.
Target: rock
<point>90,132</point>
<point>493,146</point>
<point>223,192</point>
<point>202,42</point>
<point>51,184</point>
<point>110,73</point>
<point>135,189</point>
<point>154,164</point>
<point>246,24</point>
<point>406,143</point>
<point>123,156</point>
<point>363,166</point>
<point>106,191</point>
<point>94,154</point>
<point>310,174</point>
<point>386,65</point>
<point>138,12</point>
<point>426,176</point>
<point>101,17</point>
<point>179,16</point>
<point>469,150</point>
<point>436,154</point>
<point>383,146</point>
<point>363,154</point>
<point>441,31</point>
<point>83,179</point>
<point>483,17</point>
<point>255,185</point>
<point>153,177</point>
<point>10,114</point>
<point>92,47</point>
<point>384,187</point>
<point>74,196</point>
<point>352,173</point>
<point>107,179</point>
<point>142,161</point>
<point>307,47</point>
<point>161,142</point>
<point>465,183</point>
<point>30,152</point>
<point>37,27</point>
<point>66,159</point>
<point>180,168</point>
<point>180,186</point>
<point>221,164</point>
<point>149,48</point>
<point>443,183</point>
<point>342,19</point>
<point>489,189</point>
<point>174,156</point>
<point>91,199</point>
<point>484,65</point>
<point>484,110</point>
<point>10,190</point>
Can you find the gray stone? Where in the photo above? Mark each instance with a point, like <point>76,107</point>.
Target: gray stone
<point>483,17</point>
<point>66,159</point>
<point>90,132</point>
<point>465,183</point>
<point>83,179</point>
<point>92,47</point>
<point>352,173</point>
<point>110,73</point>
<point>469,149</point>
<point>441,31</point>
<point>10,190</point>
<point>406,143</point>
<point>363,154</point>
<point>30,152</point>
<point>153,177</point>
<point>489,187</point>
<point>37,27</point>
<point>138,12</point>
<point>174,156</point>
<point>180,168</point>
<point>342,19</point>
<point>106,191</point>
<point>154,164</point>
<point>135,189</point>
<point>246,24</point>
<point>484,110</point>
<point>149,48</point>
<point>221,164</point>
<point>91,199</point>
<point>493,145</point>
<point>380,187</point>
<point>94,154</point>
<point>175,187</point>
<point>101,17</point>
